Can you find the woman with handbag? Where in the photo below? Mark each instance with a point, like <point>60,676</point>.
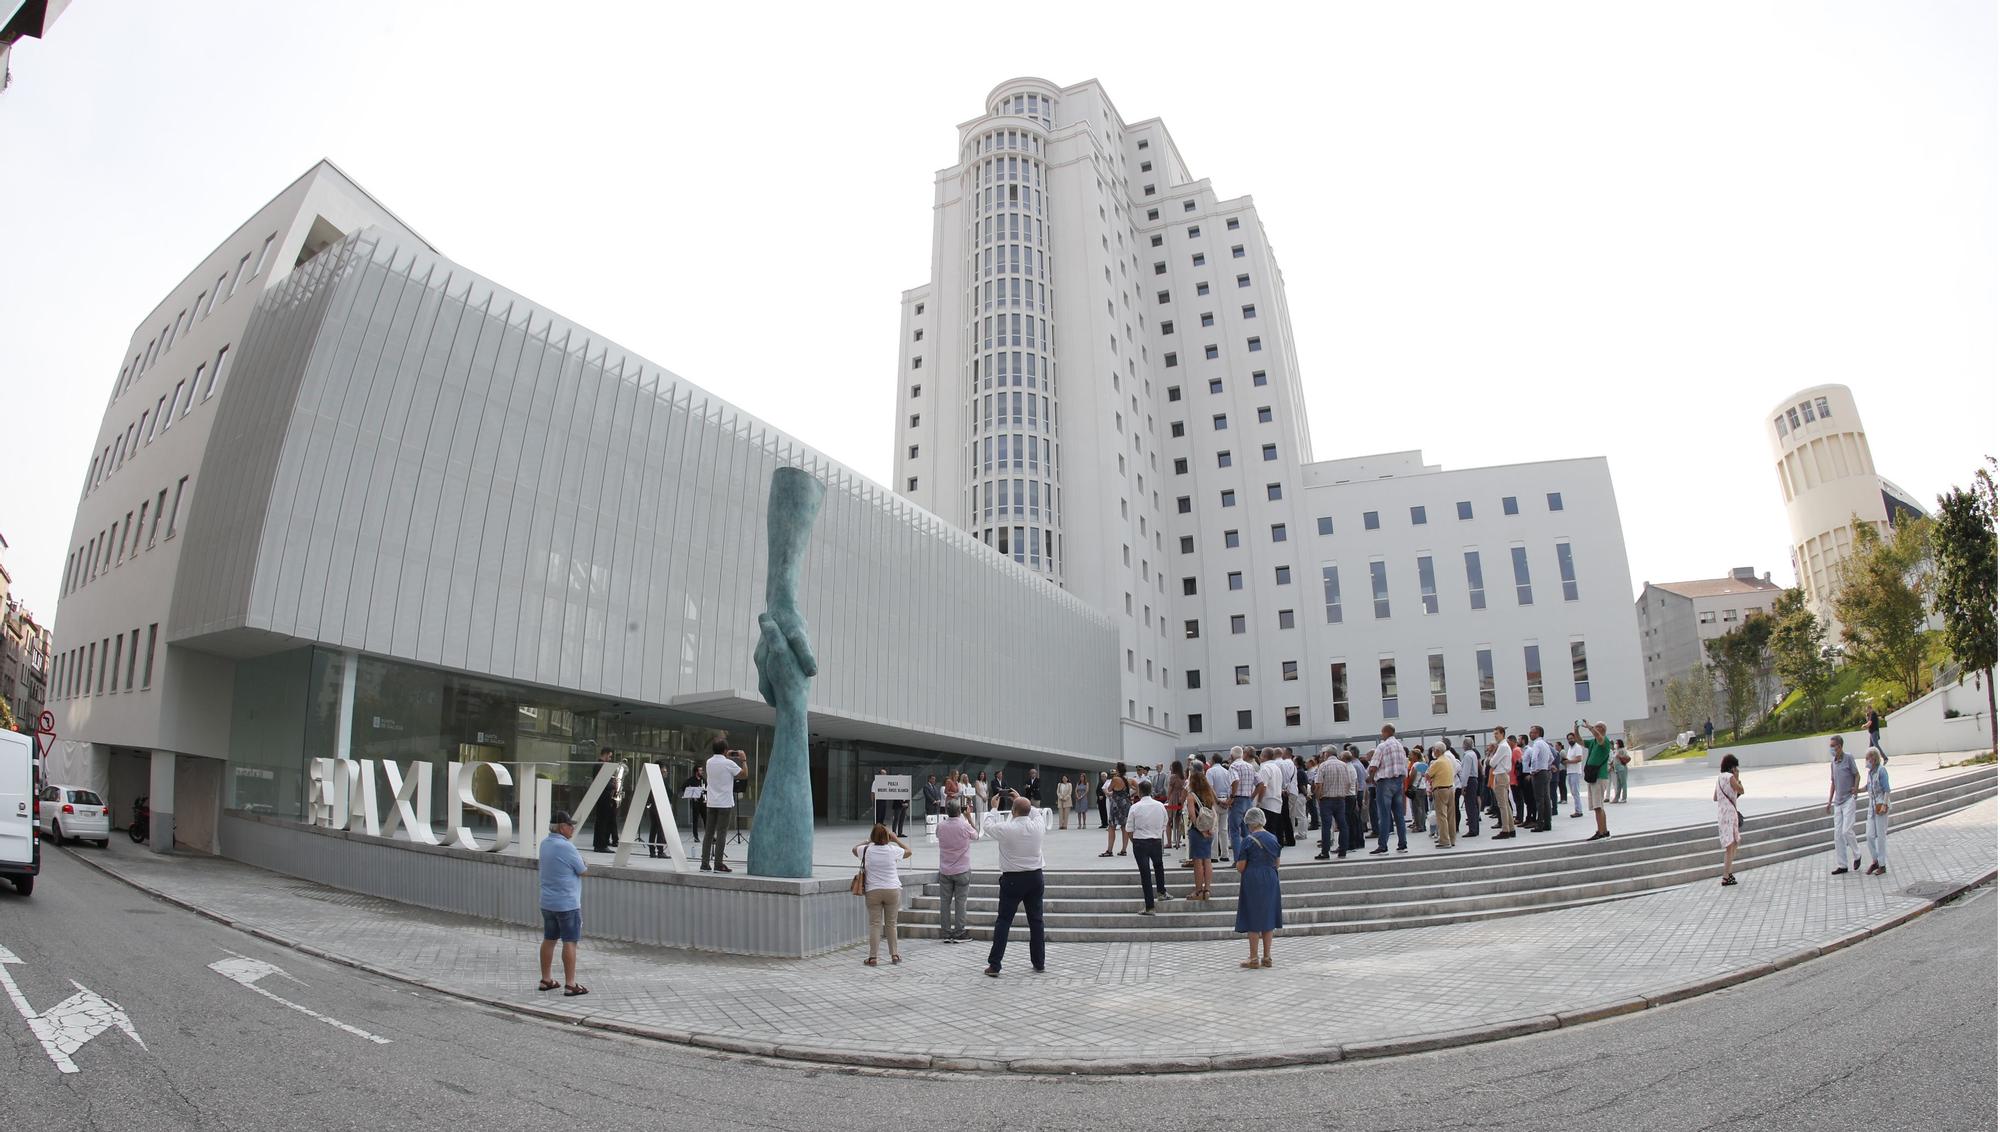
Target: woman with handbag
<point>880,883</point>
<point>1728,817</point>
<point>1878,813</point>
<point>1259,909</point>
<point>1202,818</point>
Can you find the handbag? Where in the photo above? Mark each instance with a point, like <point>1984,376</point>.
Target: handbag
<point>1591,773</point>
<point>859,885</point>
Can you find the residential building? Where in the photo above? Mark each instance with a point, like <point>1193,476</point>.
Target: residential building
<point>351,499</point>
<point>1827,475</point>
<point>1676,618</point>
<point>1099,381</point>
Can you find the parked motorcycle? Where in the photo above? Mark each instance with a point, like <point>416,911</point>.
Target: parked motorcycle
<point>142,820</point>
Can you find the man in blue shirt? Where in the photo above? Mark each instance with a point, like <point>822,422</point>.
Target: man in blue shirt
<point>562,872</point>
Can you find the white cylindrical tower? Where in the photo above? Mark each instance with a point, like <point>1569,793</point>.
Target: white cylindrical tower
<point>1828,478</point>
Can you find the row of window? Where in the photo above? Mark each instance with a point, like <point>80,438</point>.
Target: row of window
<point>120,542</point>
<point>1803,410</point>
<point>1012,451</point>
<point>1028,545</point>
<point>107,666</point>
<point>1254,344</point>
<point>1378,582</point>
<point>204,305</point>
<point>1027,106</point>
<point>1014,291</point>
<point>1024,501</point>
<point>1436,689</point>
<point>156,421</point>
<point>1208,318</point>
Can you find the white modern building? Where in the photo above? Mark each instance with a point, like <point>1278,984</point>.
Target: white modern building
<point>1828,478</point>
<point>1099,381</point>
<point>1676,619</point>
<point>352,499</point>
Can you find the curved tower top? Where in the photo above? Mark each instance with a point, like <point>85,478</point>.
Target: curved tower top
<point>1827,475</point>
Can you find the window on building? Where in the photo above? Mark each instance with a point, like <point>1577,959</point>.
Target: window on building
<point>1210,352</point>
<point>1222,458</point>
<point>1489,698</point>
<point>1371,520</point>
<point>916,391</point>
<point>1475,580</point>
<point>1191,628</point>
<point>1555,500</point>
<point>1180,465</point>
<point>1200,289</point>
<point>1278,533</point>
<point>1325,524</point>
<point>1187,544</point>
<point>1579,667</point>
<point>1194,678</point>
<point>1184,505</point>
<point>1524,594</point>
<point>1155,241</point>
<point>1288,670</point>
<point>1780,422</point>
<point>1378,582</point>
<point>1256,344</point>
<point>1390,707</point>
<point>1509,505</point>
<point>1257,377</point>
<point>1270,452</point>
<point>1238,624</point>
<point>1438,703</point>
<point>180,499</point>
<point>1566,567</point>
<point>1173,393</point>
<point>1230,540</point>
<point>1243,674</point>
<point>1427,584</point>
<point>1243,720</point>
<point>1214,385</point>
<point>1172,359</point>
<point>1283,575</point>
<point>1200,260</point>
<point>1188,587</point>
<point>1464,509</point>
<point>1338,678</point>
<point>1194,723</point>
<point>1329,579</point>
<point>1263,414</point>
<point>1705,617</point>
<point>1236,579</point>
<point>1825,411</point>
<point>1293,718</point>
<point>1160,267</point>
<point>1531,657</point>
<point>1228,498</point>
<point>912,484</point>
<point>1177,429</point>
<point>1286,619</point>
<point>1167,326</point>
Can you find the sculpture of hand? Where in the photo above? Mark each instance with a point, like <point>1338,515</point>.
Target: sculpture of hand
<point>785,661</point>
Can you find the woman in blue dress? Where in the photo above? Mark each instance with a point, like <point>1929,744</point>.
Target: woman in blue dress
<point>1257,904</point>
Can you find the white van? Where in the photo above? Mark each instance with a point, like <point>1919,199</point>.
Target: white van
<point>20,849</point>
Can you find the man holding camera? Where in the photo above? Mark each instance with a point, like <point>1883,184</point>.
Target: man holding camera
<point>1020,838</point>
<point>723,769</point>
<point>1596,772</point>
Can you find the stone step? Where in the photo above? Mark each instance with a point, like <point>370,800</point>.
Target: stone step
<point>1181,920</point>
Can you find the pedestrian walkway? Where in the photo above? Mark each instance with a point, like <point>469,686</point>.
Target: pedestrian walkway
<point>1105,1007</point>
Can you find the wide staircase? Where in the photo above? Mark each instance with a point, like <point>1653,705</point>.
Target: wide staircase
<point>1379,893</point>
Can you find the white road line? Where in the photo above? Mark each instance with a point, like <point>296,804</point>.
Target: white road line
<point>246,971</point>
<point>62,1029</point>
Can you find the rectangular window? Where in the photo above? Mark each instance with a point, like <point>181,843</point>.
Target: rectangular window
<point>1465,509</point>
<point>1284,575</point>
<point>1509,506</point>
<point>1579,668</point>
<point>1524,594</point>
<point>1258,377</point>
<point>1214,385</point>
<point>1243,674</point>
<point>1231,540</point>
<point>1228,498</point>
<point>117,658</point>
<point>1329,580</point>
<point>215,375</point>
<point>1437,684</point>
<point>1277,532</point>
<point>1173,359</point>
<point>1180,465</point>
<point>1825,413</point>
<point>1427,583</point>
<point>1325,523</point>
<point>1339,679</point>
<point>1200,260</point>
<point>1222,458</point>
<point>1256,345</point>
<point>1250,310</point>
<point>1566,566</point>
<point>159,508</point>
<point>1417,516</point>
<point>242,273</point>
<point>1489,699</point>
<point>1238,624</point>
<point>180,499</point>
<point>89,667</point>
<point>1293,717</point>
<point>1286,619</point>
<point>1177,430</point>
<point>1475,580</point>
<point>1192,629</point>
<point>1270,452</point>
<point>1188,587</point>
<point>1531,657</point>
<point>1555,500</point>
<point>1187,544</point>
<point>1263,414</point>
<point>132,662</point>
<point>1243,720</point>
<point>1236,251</point>
<point>1371,520</point>
<point>1211,352</point>
<point>1194,724</point>
<point>1288,670</point>
<point>1378,582</point>
<point>1185,504</point>
<point>1194,678</point>
<point>1389,699</point>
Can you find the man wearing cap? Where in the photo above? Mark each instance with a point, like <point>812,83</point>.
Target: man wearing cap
<point>562,871</point>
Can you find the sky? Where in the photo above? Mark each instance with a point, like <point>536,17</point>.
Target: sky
<point>1508,231</point>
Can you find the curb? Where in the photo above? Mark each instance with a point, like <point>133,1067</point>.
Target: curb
<point>819,1056</point>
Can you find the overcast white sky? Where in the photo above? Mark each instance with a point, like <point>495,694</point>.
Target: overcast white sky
<point>1508,230</point>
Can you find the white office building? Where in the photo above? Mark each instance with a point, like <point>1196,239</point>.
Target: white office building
<point>351,499</point>
<point>1099,381</point>
<point>1827,475</point>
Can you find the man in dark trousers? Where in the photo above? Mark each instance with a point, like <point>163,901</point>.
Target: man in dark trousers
<point>604,815</point>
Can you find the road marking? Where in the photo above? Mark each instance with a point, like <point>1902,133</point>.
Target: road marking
<point>245,970</point>
<point>65,1027</point>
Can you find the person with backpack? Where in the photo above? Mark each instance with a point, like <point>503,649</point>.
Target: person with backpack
<point>1204,815</point>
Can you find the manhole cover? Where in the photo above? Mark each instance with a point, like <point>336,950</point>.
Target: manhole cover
<point>1930,890</point>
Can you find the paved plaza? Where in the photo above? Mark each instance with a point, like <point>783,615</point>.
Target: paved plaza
<point>1114,1007</point>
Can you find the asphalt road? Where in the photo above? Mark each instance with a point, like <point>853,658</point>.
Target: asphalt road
<point>1896,1033</point>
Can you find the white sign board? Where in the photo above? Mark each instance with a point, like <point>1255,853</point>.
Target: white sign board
<point>892,787</point>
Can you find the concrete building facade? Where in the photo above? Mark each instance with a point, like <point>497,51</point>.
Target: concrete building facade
<point>1099,380</point>
<point>351,499</point>
<point>1676,618</point>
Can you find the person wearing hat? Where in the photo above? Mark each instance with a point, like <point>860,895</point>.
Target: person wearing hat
<point>562,870</point>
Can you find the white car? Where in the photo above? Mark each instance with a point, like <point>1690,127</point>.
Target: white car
<point>74,812</point>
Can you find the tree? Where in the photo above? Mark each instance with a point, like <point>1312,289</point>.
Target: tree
<point>1962,590</point>
<point>1799,653</point>
<point>1740,659</point>
<point>1880,603</point>
<point>7,718</point>
<point>1689,699</point>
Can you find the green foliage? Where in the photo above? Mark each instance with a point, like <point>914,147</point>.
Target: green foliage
<point>1740,659</point>
<point>1962,593</point>
<point>1880,603</point>
<point>7,717</point>
<point>1799,653</point>
<point>1690,698</point>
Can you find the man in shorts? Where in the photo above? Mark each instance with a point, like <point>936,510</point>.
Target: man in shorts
<point>1597,774</point>
<point>562,872</point>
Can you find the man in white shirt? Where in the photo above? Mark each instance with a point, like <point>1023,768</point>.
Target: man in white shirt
<point>1541,759</point>
<point>1288,772</point>
<point>1500,769</point>
<point>1242,793</point>
<point>1020,839</point>
<point>1221,780</point>
<point>1573,773</point>
<point>723,769</point>
<point>1270,792</point>
<point>1386,768</point>
<point>1147,823</point>
<point>1471,784</point>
